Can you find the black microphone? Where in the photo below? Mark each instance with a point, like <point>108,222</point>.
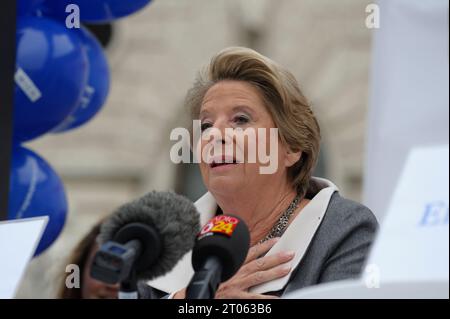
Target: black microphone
<point>144,239</point>
<point>220,250</point>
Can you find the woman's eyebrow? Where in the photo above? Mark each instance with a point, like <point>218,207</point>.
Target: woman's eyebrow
<point>242,107</point>
<point>203,113</point>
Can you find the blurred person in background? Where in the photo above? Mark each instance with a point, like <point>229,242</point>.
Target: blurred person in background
<point>82,256</point>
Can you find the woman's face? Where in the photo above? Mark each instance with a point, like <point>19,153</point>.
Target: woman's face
<point>94,289</point>
<point>237,105</point>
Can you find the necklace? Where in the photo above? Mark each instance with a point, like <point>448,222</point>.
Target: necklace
<point>281,225</point>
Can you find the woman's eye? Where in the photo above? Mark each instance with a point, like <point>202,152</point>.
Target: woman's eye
<point>205,126</point>
<point>241,119</point>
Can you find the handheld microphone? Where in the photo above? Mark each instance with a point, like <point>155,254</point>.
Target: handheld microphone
<point>144,239</point>
<point>219,251</point>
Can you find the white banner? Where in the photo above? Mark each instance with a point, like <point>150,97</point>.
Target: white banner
<point>409,95</point>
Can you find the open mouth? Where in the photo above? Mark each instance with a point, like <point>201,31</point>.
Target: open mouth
<point>223,162</point>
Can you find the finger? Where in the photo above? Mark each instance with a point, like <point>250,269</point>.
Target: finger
<point>267,262</point>
<point>260,249</point>
<point>231,294</point>
<point>263,276</point>
<point>239,294</point>
<point>259,296</point>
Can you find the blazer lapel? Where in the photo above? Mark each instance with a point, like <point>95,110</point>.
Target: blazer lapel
<point>298,236</point>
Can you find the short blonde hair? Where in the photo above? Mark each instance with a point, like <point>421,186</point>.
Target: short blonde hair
<point>297,126</point>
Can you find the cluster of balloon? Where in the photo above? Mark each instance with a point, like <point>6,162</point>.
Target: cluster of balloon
<point>62,80</point>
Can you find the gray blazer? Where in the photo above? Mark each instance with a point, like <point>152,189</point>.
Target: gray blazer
<point>337,251</point>
<point>339,247</point>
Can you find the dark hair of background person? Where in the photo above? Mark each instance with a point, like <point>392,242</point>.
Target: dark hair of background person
<point>79,257</point>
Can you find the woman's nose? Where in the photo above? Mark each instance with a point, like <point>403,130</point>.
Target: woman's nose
<point>219,130</point>
<point>218,137</point>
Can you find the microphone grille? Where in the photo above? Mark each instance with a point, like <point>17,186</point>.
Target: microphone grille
<point>175,219</point>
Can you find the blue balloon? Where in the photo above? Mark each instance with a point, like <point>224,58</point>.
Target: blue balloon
<point>51,74</point>
<point>97,86</point>
<point>28,7</point>
<point>95,11</point>
<point>36,190</point>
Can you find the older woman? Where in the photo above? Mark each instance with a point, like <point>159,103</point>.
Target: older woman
<point>302,231</point>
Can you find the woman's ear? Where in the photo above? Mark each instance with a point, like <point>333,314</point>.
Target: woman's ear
<point>291,158</point>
